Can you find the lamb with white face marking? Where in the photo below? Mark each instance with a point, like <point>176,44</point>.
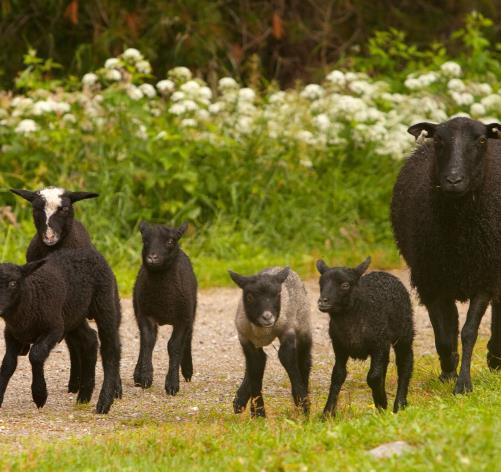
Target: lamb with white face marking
<point>274,305</point>
<point>57,229</point>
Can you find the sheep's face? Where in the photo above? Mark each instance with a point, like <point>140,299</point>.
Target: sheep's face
<point>261,296</point>
<point>53,211</point>
<point>160,244</point>
<point>460,147</point>
<point>336,285</point>
<point>11,282</point>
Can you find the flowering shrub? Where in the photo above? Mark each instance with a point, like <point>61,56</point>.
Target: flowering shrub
<point>292,163</point>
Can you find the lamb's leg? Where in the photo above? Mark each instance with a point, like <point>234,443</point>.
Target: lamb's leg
<point>337,379</point>
<point>377,376</point>
<point>243,395</point>
<point>175,347</point>
<point>39,353</point>
<point>143,373</point>
<point>469,333</point>
<point>494,344</point>
<point>288,356</point>
<point>87,338</point>
<point>404,359</point>
<point>304,359</point>
<point>255,362</point>
<point>13,348</point>
<point>107,321</point>
<point>71,340</point>
<point>187,361</point>
<point>444,319</point>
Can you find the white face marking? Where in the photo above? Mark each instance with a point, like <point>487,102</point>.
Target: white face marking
<point>53,201</point>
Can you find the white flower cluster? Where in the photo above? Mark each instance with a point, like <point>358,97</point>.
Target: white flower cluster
<point>348,108</point>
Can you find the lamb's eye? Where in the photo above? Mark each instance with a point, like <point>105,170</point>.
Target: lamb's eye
<point>13,284</point>
<point>482,140</point>
<point>345,286</point>
<point>250,298</point>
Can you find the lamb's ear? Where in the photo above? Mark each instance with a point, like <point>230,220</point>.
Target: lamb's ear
<point>181,230</point>
<point>361,268</point>
<point>240,280</point>
<point>418,128</point>
<point>26,194</point>
<point>282,275</point>
<point>143,227</point>
<point>77,196</point>
<point>31,267</point>
<point>493,131</point>
<point>321,266</point>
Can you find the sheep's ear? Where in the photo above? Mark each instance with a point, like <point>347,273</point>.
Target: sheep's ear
<point>418,128</point>
<point>321,266</point>
<point>493,130</point>
<point>240,280</point>
<point>181,230</point>
<point>361,268</point>
<point>31,267</point>
<point>77,196</point>
<point>143,227</point>
<point>282,275</point>
<point>26,194</point>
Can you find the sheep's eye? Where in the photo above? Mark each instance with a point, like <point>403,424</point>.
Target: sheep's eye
<point>345,285</point>
<point>482,140</point>
<point>250,298</point>
<point>12,284</point>
<point>65,209</point>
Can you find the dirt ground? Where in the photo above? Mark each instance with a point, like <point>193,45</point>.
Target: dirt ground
<point>218,365</point>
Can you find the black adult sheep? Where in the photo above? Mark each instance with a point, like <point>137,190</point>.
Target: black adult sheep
<point>446,216</point>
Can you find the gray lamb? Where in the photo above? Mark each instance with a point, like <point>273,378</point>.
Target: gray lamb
<point>274,304</point>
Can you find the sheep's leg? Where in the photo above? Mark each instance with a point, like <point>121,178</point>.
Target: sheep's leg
<point>304,359</point>
<point>107,325</point>
<point>404,359</point>
<point>143,373</point>
<point>88,343</point>
<point>444,319</point>
<point>255,362</point>
<point>469,334</point>
<point>39,353</point>
<point>288,356</point>
<point>377,376</point>
<point>337,379</point>
<point>243,395</point>
<point>13,348</point>
<point>494,344</point>
<point>187,361</point>
<point>175,348</point>
<point>71,340</point>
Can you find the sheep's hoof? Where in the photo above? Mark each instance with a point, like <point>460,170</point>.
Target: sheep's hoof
<point>239,405</point>
<point>258,413</point>
<point>493,362</point>
<point>73,387</point>
<point>103,406</point>
<point>172,388</point>
<point>143,380</point>
<point>187,374</point>
<point>447,376</point>
<point>399,405</point>
<point>39,398</point>
<point>84,395</point>
<point>462,386</point>
<point>327,415</point>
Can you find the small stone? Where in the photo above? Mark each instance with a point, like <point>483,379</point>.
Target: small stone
<point>396,448</point>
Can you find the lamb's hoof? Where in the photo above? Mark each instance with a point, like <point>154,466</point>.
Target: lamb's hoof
<point>187,376</point>
<point>143,380</point>
<point>171,388</point>
<point>462,386</point>
<point>493,362</point>
<point>399,405</point>
<point>447,376</point>
<point>239,405</point>
<point>84,395</point>
<point>40,398</point>
<point>103,405</point>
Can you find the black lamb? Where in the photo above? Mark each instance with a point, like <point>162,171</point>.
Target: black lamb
<point>369,314</point>
<point>165,292</point>
<point>446,216</point>
<point>57,228</point>
<point>42,301</point>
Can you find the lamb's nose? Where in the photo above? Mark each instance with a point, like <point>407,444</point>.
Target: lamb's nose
<point>267,315</point>
<point>454,179</point>
<point>152,258</point>
<point>323,301</point>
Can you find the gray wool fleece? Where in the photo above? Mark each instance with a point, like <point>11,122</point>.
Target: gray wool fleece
<point>294,314</point>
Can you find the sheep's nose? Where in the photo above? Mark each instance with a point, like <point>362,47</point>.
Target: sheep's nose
<point>323,300</point>
<point>152,258</point>
<point>454,179</point>
<point>267,315</point>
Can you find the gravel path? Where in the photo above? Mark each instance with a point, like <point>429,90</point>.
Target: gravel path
<point>218,365</point>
